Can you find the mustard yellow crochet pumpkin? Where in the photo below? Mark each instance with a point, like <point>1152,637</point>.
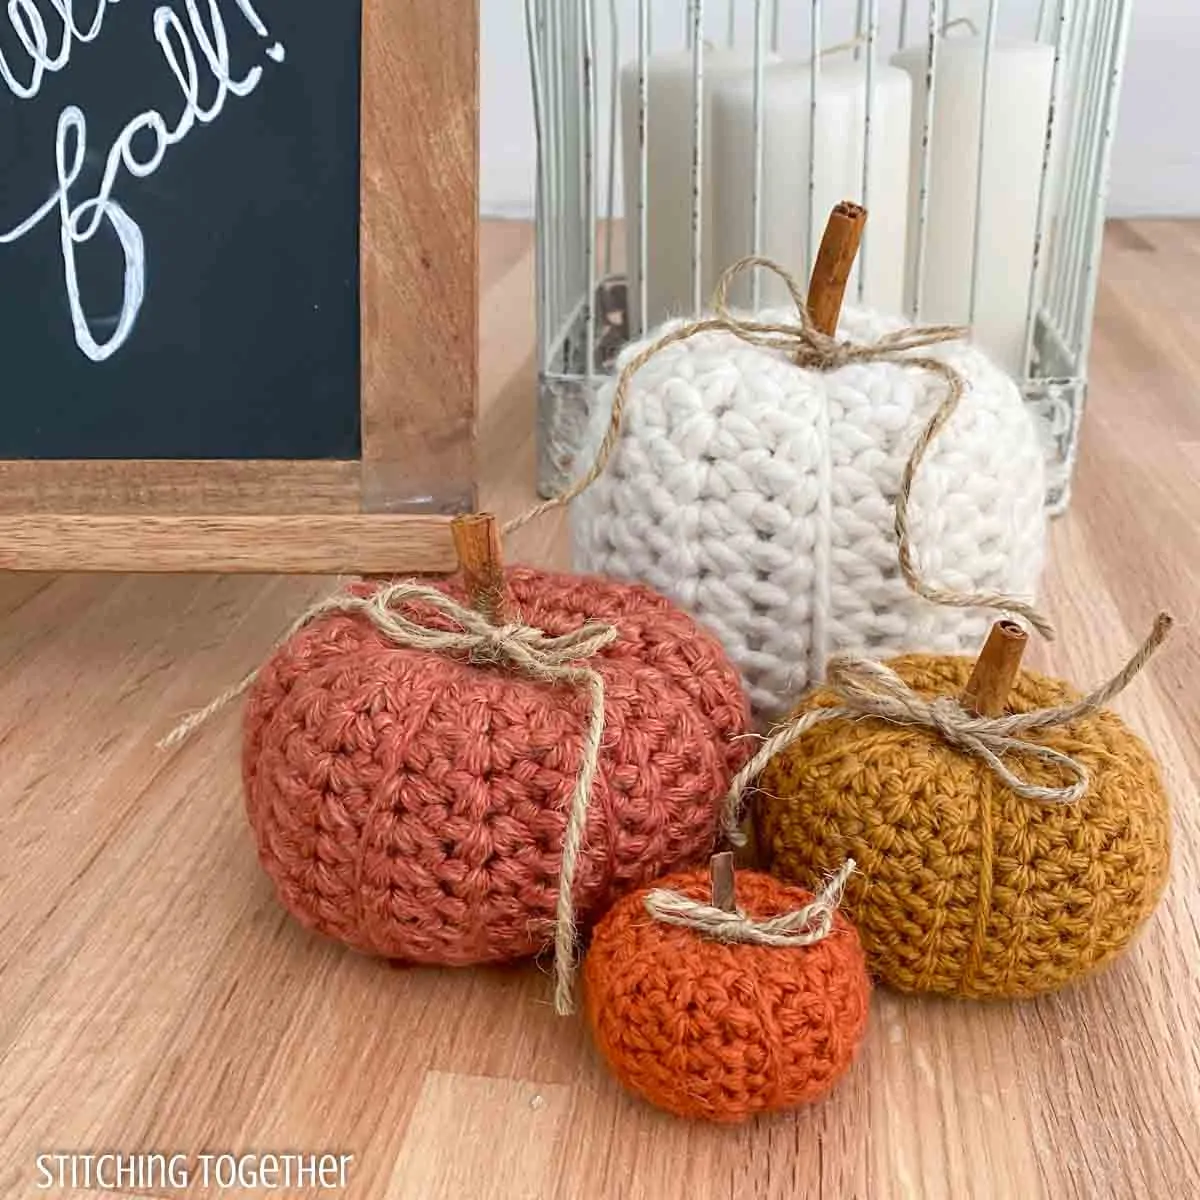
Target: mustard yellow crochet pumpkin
<point>964,888</point>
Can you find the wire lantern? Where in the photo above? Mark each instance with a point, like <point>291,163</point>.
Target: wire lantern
<point>675,137</point>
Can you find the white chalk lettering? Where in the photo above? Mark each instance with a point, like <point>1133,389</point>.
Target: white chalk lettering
<point>80,222</point>
<point>30,27</point>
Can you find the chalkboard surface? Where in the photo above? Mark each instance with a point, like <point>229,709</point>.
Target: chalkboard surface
<point>179,205</point>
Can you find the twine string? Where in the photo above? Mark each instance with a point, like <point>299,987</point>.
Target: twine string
<point>811,923</point>
<point>553,660</point>
<point>809,347</point>
<point>865,688</point>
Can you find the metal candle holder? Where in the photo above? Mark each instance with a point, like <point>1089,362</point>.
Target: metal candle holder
<point>588,307</point>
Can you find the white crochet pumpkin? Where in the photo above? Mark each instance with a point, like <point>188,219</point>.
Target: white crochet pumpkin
<point>759,495</point>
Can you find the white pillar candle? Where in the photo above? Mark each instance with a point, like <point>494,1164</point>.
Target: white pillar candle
<point>837,172</point>
<point>669,83</point>
<point>1018,108</point>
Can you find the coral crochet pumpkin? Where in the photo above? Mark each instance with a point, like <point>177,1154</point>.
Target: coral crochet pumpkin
<point>721,1031</point>
<point>964,888</point>
<point>413,805</point>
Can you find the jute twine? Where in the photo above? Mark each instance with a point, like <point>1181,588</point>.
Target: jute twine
<point>551,660</point>
<point>806,925</point>
<point>809,347</point>
<point>869,689</point>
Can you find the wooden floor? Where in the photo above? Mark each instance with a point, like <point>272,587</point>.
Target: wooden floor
<point>154,996</point>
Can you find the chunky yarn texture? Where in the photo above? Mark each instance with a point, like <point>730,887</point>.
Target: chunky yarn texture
<point>722,1031</point>
<point>962,887</point>
<point>413,804</point>
<point>760,496</point>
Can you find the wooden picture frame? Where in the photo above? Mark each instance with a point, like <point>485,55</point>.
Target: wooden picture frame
<point>418,278</point>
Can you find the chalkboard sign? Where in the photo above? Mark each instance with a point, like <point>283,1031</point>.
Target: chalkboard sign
<point>179,229</point>
<point>238,244</point>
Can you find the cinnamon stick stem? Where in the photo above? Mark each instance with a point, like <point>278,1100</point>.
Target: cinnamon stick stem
<point>477,541</point>
<point>835,260</point>
<point>721,872</point>
<point>995,671</point>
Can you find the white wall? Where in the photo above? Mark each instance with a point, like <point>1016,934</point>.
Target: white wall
<point>1156,159</point>
<point>507,163</point>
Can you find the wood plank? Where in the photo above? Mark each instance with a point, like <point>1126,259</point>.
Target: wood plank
<point>367,544</point>
<point>503,244</point>
<point>197,487</point>
<point>476,1136</point>
<point>420,253</point>
<point>508,417</point>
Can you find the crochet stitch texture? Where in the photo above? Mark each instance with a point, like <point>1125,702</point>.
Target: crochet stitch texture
<point>722,1032</point>
<point>759,496</point>
<point>963,888</point>
<point>413,805</point>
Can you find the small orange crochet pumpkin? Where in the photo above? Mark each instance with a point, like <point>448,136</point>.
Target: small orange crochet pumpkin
<point>721,1030</point>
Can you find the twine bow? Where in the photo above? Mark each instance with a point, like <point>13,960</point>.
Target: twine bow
<point>869,689</point>
<point>809,347</point>
<point>523,647</point>
<point>812,923</point>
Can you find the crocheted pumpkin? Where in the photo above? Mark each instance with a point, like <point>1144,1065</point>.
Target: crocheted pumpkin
<point>722,1031</point>
<point>962,887</point>
<point>759,496</point>
<point>412,804</point>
